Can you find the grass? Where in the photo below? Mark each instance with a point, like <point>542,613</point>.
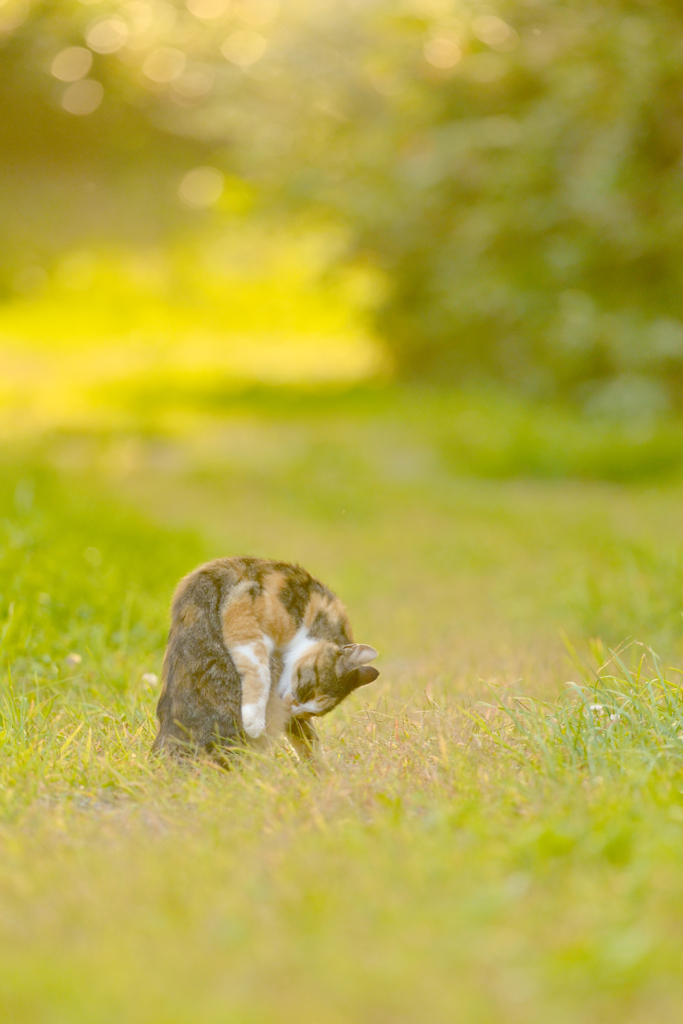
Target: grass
<point>482,848</point>
<point>498,835</point>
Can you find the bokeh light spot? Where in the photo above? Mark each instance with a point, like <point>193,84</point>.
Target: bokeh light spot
<point>139,16</point>
<point>72,64</point>
<point>244,47</point>
<point>201,187</point>
<point>107,36</point>
<point>208,9</point>
<point>495,32</point>
<point>93,557</point>
<point>258,12</point>
<point>433,8</point>
<point>83,97</point>
<point>442,52</point>
<point>13,13</point>
<point>164,65</point>
<point>195,81</point>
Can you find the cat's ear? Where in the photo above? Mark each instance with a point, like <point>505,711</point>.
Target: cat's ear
<point>353,656</point>
<point>363,675</point>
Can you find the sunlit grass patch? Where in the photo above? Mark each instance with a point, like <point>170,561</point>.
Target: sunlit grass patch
<point>229,311</point>
<point>243,279</point>
<point>254,322</point>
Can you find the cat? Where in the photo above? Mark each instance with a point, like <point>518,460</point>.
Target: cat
<point>256,648</point>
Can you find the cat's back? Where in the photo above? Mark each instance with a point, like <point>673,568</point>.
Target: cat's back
<point>284,596</point>
<point>200,593</point>
<point>286,600</point>
<point>277,593</point>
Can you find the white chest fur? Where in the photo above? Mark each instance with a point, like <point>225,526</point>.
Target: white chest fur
<point>299,645</point>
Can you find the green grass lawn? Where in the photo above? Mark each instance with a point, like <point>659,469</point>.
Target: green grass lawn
<point>470,854</point>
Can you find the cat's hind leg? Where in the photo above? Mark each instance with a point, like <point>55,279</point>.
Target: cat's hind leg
<point>304,739</point>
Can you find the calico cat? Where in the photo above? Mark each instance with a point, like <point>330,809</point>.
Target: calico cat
<point>255,648</point>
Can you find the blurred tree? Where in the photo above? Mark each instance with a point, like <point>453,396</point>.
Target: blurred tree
<point>514,168</point>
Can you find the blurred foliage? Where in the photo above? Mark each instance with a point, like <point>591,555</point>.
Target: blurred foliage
<point>514,170</point>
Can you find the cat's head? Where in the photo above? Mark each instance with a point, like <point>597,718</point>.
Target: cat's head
<point>329,673</point>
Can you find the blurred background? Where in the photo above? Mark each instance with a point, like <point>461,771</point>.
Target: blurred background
<point>310,277</point>
<point>198,197</point>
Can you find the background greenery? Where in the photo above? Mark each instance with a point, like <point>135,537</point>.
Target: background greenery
<point>508,175</point>
<point>390,290</point>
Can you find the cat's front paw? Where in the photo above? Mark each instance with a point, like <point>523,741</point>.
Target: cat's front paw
<point>253,720</point>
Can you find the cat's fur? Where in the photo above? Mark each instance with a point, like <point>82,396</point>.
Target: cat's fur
<point>255,648</point>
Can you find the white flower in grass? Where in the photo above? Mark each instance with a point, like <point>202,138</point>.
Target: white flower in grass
<point>150,679</point>
<point>597,708</point>
<point>614,718</point>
